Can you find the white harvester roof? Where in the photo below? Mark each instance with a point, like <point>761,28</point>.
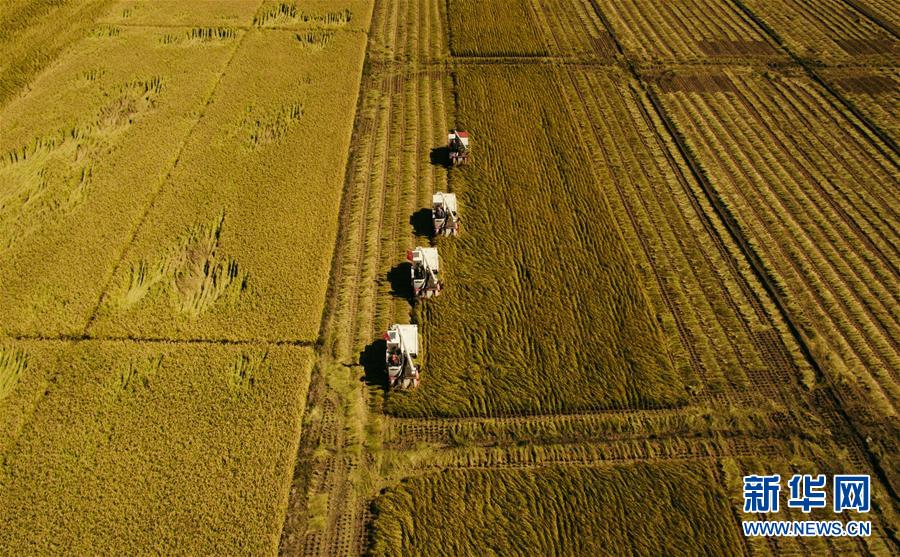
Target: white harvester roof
<point>448,199</point>
<point>405,335</point>
<point>428,255</point>
<point>463,136</point>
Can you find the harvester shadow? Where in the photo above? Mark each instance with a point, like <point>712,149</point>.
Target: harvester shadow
<point>399,277</point>
<point>440,156</point>
<point>421,222</point>
<point>372,361</point>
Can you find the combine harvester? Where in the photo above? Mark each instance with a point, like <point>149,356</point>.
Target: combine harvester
<point>401,354</point>
<point>444,215</point>
<point>425,269</point>
<point>458,143</point>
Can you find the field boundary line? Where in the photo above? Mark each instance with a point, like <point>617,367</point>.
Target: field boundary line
<point>161,186</point>
<point>240,27</point>
<point>165,340</point>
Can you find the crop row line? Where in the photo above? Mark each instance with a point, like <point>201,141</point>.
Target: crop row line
<point>602,453</point>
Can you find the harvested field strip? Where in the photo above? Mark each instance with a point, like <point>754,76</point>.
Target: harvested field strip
<point>527,264</point>
<point>260,168</point>
<point>466,512</point>
<point>402,118</point>
<point>494,28</point>
<point>687,31</point>
<point>711,276</point>
<point>873,93</point>
<point>829,31</point>
<point>574,29</point>
<point>174,417</point>
<point>629,167</point>
<point>882,12</point>
<point>851,308</point>
<point>409,32</point>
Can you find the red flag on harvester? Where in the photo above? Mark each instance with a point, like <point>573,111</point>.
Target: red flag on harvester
<point>387,336</point>
<point>409,255</point>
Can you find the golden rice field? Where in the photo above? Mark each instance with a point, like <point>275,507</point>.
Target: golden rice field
<point>676,267</point>
<point>113,447</point>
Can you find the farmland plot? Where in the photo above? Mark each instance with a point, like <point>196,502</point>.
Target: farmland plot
<point>830,31</point>
<point>409,32</point>
<point>201,13</point>
<point>687,31</point>
<point>494,28</point>
<point>819,208</point>
<point>116,447</point>
<point>34,34</point>
<point>573,28</point>
<point>543,310</point>
<point>709,303</point>
<point>558,511</point>
<point>875,92</point>
<point>262,169</point>
<point>75,184</point>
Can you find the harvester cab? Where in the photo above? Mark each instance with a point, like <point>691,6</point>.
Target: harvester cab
<point>458,143</point>
<point>400,356</point>
<point>425,269</point>
<point>444,215</point>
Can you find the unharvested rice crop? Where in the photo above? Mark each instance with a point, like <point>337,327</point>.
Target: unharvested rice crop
<point>558,511</point>
<point>177,13</point>
<point>493,28</point>
<point>34,33</point>
<point>239,241</point>
<point>543,309</point>
<point>119,448</point>
<point>87,148</point>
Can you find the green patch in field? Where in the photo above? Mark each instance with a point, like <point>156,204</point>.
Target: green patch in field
<point>173,461</point>
<point>543,309</point>
<point>636,509</point>
<point>494,28</point>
